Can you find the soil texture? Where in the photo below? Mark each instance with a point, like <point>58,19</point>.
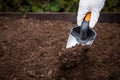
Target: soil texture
<point>31,49</point>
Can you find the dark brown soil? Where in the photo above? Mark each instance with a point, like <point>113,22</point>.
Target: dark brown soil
<point>35,50</point>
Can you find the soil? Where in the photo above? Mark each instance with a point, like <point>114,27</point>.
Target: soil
<point>31,49</point>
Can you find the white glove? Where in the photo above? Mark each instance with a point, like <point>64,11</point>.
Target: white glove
<point>93,6</point>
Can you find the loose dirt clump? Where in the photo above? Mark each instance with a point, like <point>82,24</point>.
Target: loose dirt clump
<point>72,57</point>
<point>31,49</point>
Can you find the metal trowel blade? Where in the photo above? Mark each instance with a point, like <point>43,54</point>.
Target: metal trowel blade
<point>71,41</point>
<point>74,38</point>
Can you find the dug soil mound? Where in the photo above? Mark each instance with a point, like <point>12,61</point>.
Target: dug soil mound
<point>31,49</point>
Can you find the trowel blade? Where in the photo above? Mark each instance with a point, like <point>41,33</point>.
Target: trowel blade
<point>71,41</point>
<point>74,38</point>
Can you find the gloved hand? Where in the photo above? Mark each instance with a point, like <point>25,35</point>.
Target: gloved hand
<point>93,6</point>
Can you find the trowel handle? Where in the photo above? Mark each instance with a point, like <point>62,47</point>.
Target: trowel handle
<point>85,26</point>
<point>88,16</point>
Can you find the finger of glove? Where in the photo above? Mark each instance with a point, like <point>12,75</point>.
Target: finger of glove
<point>81,14</point>
<point>94,18</point>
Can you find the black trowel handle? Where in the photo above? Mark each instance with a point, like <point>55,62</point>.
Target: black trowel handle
<point>84,27</point>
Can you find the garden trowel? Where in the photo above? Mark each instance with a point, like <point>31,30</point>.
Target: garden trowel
<point>81,34</point>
